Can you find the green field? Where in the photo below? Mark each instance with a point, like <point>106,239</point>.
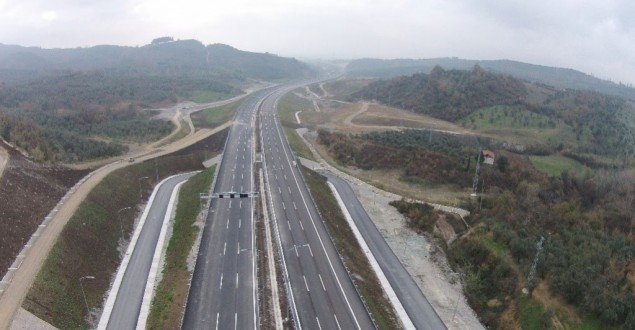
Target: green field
<point>532,315</point>
<point>554,165</point>
<point>289,105</point>
<point>296,143</point>
<point>507,117</point>
<point>213,117</point>
<point>202,96</point>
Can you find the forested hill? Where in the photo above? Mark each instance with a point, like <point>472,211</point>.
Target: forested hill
<point>448,95</point>
<point>189,57</point>
<point>70,105</point>
<point>557,77</point>
<point>587,122</point>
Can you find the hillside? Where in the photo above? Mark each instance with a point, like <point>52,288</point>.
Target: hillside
<point>581,123</point>
<point>70,105</point>
<point>185,57</point>
<point>557,77</point>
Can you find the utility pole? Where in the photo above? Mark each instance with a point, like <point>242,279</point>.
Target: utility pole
<point>82,287</point>
<point>477,172</point>
<point>140,190</point>
<point>119,218</point>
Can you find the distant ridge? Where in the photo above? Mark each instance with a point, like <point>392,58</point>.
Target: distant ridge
<point>557,77</point>
<point>166,58</point>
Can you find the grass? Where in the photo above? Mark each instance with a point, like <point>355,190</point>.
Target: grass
<point>202,96</point>
<point>507,117</point>
<point>183,132</point>
<point>363,275</point>
<point>590,323</point>
<point>299,147</point>
<point>168,302</point>
<point>532,315</point>
<point>289,105</point>
<point>519,125</point>
<point>554,165</point>
<point>88,244</point>
<point>213,117</point>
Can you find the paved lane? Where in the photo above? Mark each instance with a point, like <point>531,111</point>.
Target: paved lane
<point>421,313</point>
<point>125,311</point>
<point>223,292</point>
<point>323,295</point>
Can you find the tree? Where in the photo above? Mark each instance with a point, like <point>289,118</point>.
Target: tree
<point>502,163</point>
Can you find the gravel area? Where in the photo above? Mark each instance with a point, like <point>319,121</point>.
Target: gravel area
<point>24,320</point>
<point>425,262</point>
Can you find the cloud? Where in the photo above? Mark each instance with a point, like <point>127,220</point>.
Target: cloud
<point>595,36</point>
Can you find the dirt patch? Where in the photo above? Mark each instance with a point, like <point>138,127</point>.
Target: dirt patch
<point>28,192</point>
<point>543,296</point>
<point>4,159</point>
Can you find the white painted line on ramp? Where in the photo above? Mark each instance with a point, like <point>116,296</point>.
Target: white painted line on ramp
<point>401,312</point>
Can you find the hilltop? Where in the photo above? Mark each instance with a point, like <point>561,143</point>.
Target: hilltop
<point>183,57</point>
<point>557,77</point>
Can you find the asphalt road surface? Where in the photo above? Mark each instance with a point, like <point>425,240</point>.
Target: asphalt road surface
<point>127,305</point>
<point>421,313</point>
<point>223,292</point>
<point>323,295</point>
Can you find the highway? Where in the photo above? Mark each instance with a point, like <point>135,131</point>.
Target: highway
<point>129,296</point>
<point>421,313</point>
<point>223,292</point>
<point>322,293</point>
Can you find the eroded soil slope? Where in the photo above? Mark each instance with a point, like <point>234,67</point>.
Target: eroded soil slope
<point>28,192</point>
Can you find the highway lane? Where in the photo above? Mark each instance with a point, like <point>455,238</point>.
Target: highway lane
<point>127,305</point>
<point>323,295</point>
<point>223,292</point>
<point>421,313</point>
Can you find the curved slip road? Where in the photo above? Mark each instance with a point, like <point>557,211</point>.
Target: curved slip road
<point>419,310</point>
<point>129,296</point>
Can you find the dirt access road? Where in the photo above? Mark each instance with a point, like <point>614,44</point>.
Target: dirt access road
<point>4,160</point>
<point>23,277</point>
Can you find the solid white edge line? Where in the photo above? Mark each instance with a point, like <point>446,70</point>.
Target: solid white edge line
<point>112,294</point>
<point>156,258</point>
<point>390,292</point>
<point>291,297</point>
<point>284,148</point>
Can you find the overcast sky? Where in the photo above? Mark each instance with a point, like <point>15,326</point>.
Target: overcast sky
<point>593,36</point>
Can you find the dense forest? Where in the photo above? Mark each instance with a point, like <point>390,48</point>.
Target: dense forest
<point>599,124</point>
<point>586,221</point>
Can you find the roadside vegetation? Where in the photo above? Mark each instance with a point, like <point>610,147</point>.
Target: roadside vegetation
<point>584,216</point>
<point>363,276</point>
<point>297,145</point>
<point>90,245</point>
<point>169,300</point>
<point>214,117</point>
<point>289,105</point>
<point>578,124</point>
<point>563,176</point>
